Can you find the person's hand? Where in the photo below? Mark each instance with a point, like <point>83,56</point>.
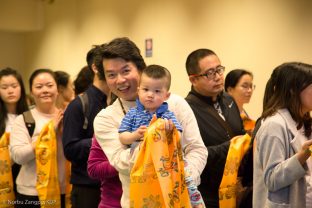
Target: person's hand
<point>58,120</point>
<point>306,151</point>
<point>140,132</point>
<point>307,147</point>
<point>168,125</point>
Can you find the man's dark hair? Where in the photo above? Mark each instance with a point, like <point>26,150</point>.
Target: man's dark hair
<point>158,72</point>
<point>193,59</point>
<point>84,80</point>
<point>126,49</point>
<point>94,56</point>
<point>90,56</point>
<point>62,78</point>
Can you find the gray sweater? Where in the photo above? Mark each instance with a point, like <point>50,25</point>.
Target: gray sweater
<point>279,178</point>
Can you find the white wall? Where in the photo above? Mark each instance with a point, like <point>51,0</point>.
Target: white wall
<point>256,35</point>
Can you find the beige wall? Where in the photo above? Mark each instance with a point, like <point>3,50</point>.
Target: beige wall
<point>21,15</point>
<point>12,51</point>
<point>256,35</point>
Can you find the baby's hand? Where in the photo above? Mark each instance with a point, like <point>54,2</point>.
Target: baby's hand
<point>141,130</point>
<point>168,125</point>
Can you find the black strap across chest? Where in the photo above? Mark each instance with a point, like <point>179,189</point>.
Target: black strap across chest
<point>214,113</point>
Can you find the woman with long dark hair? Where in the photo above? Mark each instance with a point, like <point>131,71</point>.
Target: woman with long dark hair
<point>12,103</point>
<point>282,164</point>
<point>12,98</point>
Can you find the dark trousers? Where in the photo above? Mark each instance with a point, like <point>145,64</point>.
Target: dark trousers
<point>33,201</point>
<point>85,196</point>
<point>15,170</point>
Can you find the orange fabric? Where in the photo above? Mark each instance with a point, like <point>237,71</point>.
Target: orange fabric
<point>248,123</point>
<point>68,185</point>
<point>228,187</point>
<point>6,180</point>
<point>47,172</point>
<point>157,177</point>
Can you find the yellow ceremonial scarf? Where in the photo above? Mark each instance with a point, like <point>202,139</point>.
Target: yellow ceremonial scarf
<point>47,172</point>
<point>157,177</point>
<point>228,187</point>
<point>7,196</point>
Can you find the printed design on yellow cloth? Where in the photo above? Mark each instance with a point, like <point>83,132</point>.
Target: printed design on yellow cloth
<point>228,187</point>
<point>157,177</point>
<point>46,167</point>
<point>6,179</point>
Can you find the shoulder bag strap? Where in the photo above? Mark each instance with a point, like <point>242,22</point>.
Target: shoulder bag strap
<point>85,108</point>
<point>30,122</point>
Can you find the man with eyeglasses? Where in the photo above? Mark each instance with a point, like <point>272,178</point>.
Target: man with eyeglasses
<point>217,115</point>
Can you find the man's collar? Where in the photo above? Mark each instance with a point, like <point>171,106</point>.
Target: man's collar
<point>97,92</point>
<point>207,99</point>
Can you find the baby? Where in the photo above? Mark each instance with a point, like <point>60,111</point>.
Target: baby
<point>153,91</point>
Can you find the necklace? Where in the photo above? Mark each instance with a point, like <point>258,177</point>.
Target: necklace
<point>122,107</point>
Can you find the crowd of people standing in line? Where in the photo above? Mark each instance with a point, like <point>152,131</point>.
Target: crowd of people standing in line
<point>94,163</point>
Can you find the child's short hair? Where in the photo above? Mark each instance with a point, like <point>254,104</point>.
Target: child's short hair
<point>158,72</point>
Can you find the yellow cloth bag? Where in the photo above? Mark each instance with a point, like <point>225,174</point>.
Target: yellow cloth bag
<point>47,172</point>
<point>228,187</point>
<point>157,177</point>
<point>7,196</point>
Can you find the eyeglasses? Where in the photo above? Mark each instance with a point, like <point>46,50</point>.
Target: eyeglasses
<point>248,86</point>
<point>211,73</point>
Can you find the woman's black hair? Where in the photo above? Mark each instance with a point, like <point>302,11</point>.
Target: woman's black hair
<point>233,77</point>
<point>40,71</point>
<point>291,79</point>
<point>21,105</point>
